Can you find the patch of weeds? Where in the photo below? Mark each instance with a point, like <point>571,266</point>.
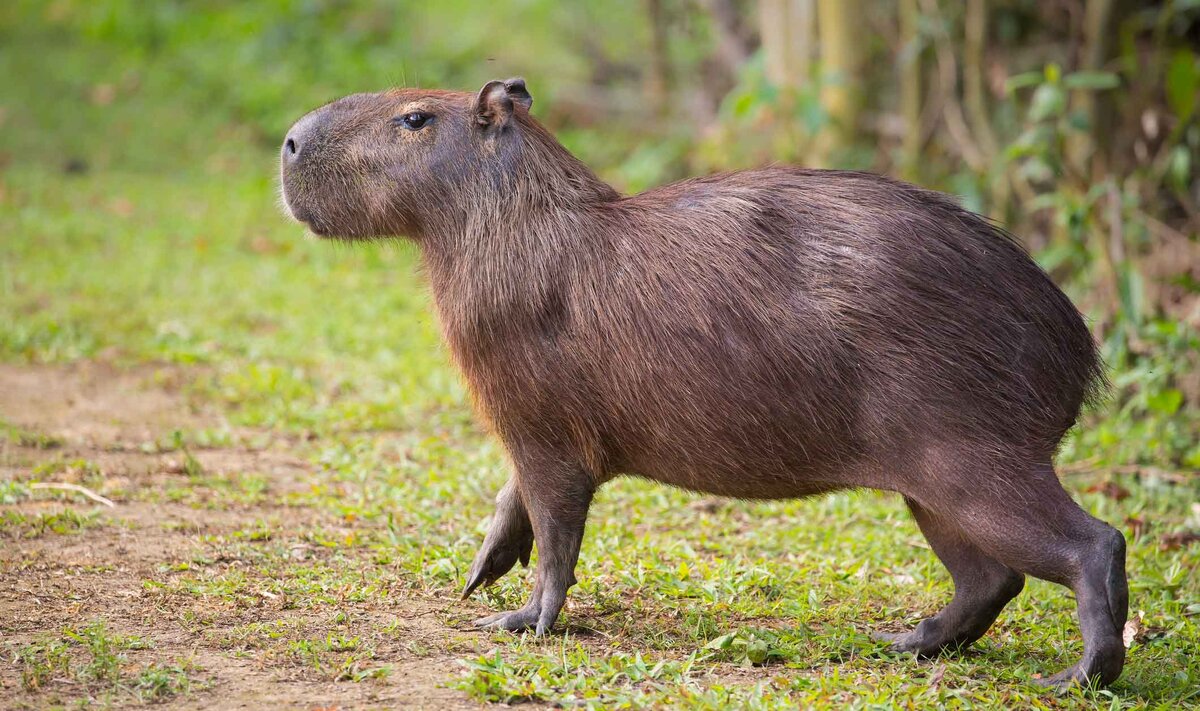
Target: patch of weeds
<point>105,649</point>
<point>337,657</point>
<point>257,635</point>
<point>66,522</point>
<point>572,677</point>
<point>78,469</point>
<point>260,532</point>
<point>191,466</point>
<point>158,682</point>
<point>749,646</point>
<point>178,443</point>
<point>26,438</point>
<point>232,586</point>
<point>13,491</point>
<point>340,643</point>
<point>96,659</point>
<point>42,661</point>
<point>353,669</point>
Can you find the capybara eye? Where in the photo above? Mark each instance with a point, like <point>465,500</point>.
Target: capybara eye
<point>413,121</point>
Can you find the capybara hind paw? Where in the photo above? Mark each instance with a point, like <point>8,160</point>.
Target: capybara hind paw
<point>1072,676</point>
<point>912,642</point>
<point>513,621</point>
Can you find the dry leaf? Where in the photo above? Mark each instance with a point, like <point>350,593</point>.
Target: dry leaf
<point>103,94</point>
<point>121,207</point>
<point>935,679</point>
<point>1135,630</point>
<point>1177,540</point>
<point>1137,526</point>
<point>1111,489</point>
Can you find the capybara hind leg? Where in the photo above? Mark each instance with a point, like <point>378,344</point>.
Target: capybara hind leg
<point>557,500</point>
<point>1102,599</point>
<point>1022,517</point>
<point>982,587</point>
<point>509,539</point>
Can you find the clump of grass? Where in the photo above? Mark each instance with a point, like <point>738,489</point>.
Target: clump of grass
<point>26,438</point>
<point>16,524</point>
<point>42,661</point>
<point>96,659</point>
<point>572,676</point>
<point>159,682</point>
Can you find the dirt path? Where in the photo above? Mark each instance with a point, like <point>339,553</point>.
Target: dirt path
<point>100,427</point>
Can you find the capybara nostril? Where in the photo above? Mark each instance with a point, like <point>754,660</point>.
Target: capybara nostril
<point>290,148</point>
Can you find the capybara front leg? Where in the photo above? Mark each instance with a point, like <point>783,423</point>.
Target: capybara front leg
<point>509,539</point>
<point>557,499</point>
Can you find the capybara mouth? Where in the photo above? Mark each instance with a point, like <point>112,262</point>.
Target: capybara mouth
<point>296,209</point>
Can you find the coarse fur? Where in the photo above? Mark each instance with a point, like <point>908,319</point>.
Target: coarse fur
<point>762,334</point>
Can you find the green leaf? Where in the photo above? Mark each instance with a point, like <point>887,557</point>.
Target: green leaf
<point>757,651</point>
<point>1166,401</point>
<point>1078,121</point>
<point>1020,81</point>
<point>1092,80</point>
<point>1129,286</point>
<point>1037,170</point>
<point>743,105</point>
<point>1179,167</point>
<point>1048,101</point>
<point>1183,83</point>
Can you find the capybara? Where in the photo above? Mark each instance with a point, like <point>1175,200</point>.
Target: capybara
<point>761,334</point>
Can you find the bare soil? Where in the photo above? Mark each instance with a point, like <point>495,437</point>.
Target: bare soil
<point>111,417</point>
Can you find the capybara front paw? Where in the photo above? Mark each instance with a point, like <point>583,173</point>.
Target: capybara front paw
<point>496,558</point>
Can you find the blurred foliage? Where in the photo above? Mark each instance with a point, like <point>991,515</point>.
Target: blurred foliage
<point>1076,123</point>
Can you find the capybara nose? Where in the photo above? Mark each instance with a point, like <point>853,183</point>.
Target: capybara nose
<point>303,137</point>
<point>291,149</point>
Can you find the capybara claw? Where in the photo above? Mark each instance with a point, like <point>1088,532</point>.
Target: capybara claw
<point>476,579</point>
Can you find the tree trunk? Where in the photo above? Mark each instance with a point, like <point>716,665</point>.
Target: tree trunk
<point>786,27</point>
<point>839,23</point>
<point>910,88</point>
<point>658,78</point>
<point>1081,146</point>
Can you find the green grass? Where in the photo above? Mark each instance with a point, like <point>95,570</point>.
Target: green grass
<point>15,524</point>
<point>97,659</point>
<point>683,601</point>
<point>25,438</point>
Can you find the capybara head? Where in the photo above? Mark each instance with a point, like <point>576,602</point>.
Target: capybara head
<point>399,162</point>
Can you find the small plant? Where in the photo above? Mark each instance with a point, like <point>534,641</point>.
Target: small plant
<point>65,522</point>
<point>157,682</point>
<point>105,650</point>
<point>748,646</point>
<point>25,438</point>
<point>97,659</point>
<point>42,661</point>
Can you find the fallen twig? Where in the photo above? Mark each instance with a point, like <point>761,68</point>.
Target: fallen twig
<point>72,487</point>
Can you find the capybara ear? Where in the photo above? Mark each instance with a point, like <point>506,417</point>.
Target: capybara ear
<point>493,106</point>
<point>518,93</point>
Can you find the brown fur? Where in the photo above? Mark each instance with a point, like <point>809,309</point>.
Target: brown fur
<point>763,334</point>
